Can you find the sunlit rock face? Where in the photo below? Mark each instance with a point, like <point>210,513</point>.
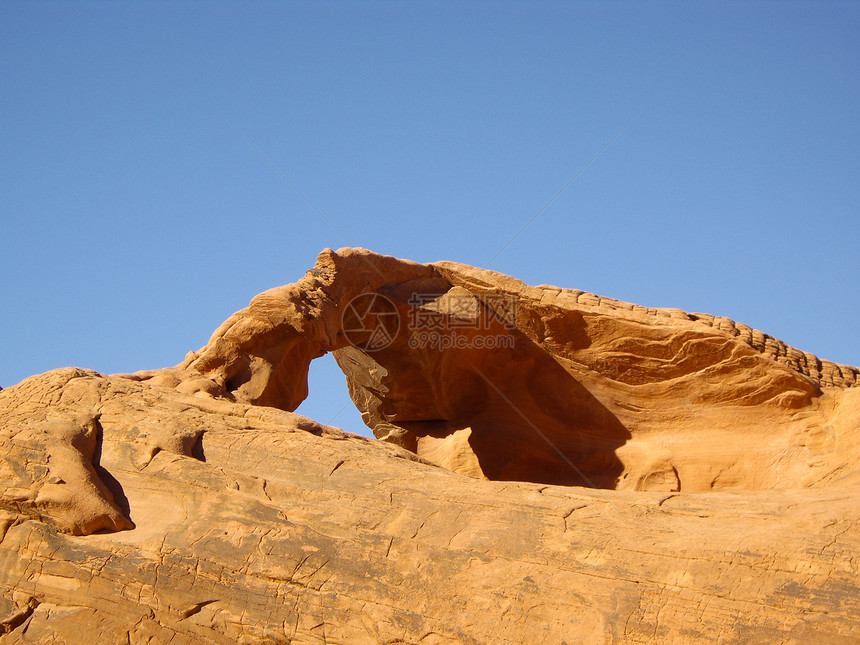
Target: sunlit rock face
<point>540,476</point>
<point>487,376</point>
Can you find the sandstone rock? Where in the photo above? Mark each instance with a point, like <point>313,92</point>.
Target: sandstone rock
<point>616,474</point>
<point>564,387</point>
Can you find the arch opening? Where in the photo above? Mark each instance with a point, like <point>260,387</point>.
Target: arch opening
<point>328,398</point>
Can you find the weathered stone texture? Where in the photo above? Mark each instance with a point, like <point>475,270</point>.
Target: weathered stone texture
<point>618,475</point>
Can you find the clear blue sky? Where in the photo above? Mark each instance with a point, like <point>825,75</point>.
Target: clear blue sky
<point>135,218</point>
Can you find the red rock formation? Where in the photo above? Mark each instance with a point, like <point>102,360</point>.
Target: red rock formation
<point>564,387</point>
<point>190,505</point>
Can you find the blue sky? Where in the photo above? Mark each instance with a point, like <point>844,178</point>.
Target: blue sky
<point>136,218</point>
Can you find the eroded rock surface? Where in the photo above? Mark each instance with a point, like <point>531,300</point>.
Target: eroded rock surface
<point>608,473</point>
<point>490,377</point>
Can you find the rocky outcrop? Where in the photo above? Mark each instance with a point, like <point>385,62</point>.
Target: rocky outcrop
<point>490,377</point>
<point>558,467</point>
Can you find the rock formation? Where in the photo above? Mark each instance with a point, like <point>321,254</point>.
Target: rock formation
<point>554,466</point>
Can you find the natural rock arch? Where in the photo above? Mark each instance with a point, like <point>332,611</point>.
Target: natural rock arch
<point>592,391</point>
